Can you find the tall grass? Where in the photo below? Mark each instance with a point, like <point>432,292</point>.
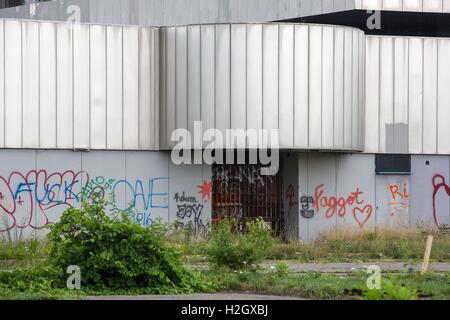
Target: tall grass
<point>348,245</point>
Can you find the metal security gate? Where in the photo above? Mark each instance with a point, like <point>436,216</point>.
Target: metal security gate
<point>241,192</point>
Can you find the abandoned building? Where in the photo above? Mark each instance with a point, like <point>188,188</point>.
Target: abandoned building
<point>359,91</point>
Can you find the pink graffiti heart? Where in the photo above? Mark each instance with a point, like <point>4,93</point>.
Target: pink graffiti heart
<point>362,215</point>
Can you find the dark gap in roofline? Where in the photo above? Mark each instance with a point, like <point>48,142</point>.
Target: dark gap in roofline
<point>393,23</point>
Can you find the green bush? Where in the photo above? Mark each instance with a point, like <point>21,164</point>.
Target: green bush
<point>391,290</point>
<point>112,252</point>
<point>239,251</point>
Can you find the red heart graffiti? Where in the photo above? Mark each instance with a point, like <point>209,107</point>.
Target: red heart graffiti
<point>359,215</point>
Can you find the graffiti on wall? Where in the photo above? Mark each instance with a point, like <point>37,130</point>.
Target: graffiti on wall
<point>36,198</point>
<point>341,205</point>
<point>398,203</point>
<point>27,197</point>
<point>190,211</point>
<point>439,186</point>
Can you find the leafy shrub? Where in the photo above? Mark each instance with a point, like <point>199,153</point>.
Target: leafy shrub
<point>282,269</point>
<point>237,251</point>
<point>113,252</point>
<point>391,290</point>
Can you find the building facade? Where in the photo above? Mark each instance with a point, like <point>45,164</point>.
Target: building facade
<point>88,108</point>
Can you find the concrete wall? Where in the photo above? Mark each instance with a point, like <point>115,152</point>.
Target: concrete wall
<point>346,193</point>
<point>36,187</point>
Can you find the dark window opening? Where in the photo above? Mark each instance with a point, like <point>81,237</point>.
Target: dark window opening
<point>392,164</point>
<point>242,193</point>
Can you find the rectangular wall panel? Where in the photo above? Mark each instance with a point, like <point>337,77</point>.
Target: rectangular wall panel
<point>386,95</point>
<point>315,87</point>
<point>208,76</point>
<point>301,87</point>
<point>286,86</point>
<point>114,88</point>
<point>194,76</point>
<point>400,130</point>
<point>98,87</point>
<point>130,88</point>
<point>47,85</point>
<point>328,88</point>
<point>238,78</point>
<point>181,86</point>
<point>430,70</point>
<point>30,81</point>
<point>443,111</point>
<point>222,75</point>
<point>415,98</point>
<point>348,87</point>
<point>13,85</point>
<point>2,83</point>
<point>64,87</point>
<point>145,88</point>
<point>372,94</point>
<point>339,89</point>
<point>270,76</point>
<point>81,85</point>
<point>254,77</point>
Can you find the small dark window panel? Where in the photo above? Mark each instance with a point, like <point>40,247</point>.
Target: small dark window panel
<point>393,164</point>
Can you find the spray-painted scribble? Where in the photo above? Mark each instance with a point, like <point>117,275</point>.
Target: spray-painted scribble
<point>148,200</point>
<point>189,216</point>
<point>361,211</point>
<point>26,199</point>
<point>439,185</point>
<point>36,198</point>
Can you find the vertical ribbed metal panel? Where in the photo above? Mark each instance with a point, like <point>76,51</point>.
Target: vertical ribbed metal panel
<point>98,87</point>
<point>130,88</point>
<point>30,85</point>
<point>47,85</point>
<point>286,86</point>
<point>64,86</point>
<point>2,83</point>
<point>413,105</point>
<point>13,84</point>
<point>193,82</point>
<point>238,78</point>
<point>222,77</point>
<point>301,86</point>
<point>443,112</point>
<point>254,77</point>
<point>301,79</point>
<point>415,95</point>
<point>315,87</point>
<point>81,87</point>
<point>78,86</point>
<point>114,88</point>
<point>372,95</point>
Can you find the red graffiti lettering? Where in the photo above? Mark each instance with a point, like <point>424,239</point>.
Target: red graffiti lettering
<point>395,193</point>
<point>35,193</point>
<point>439,184</point>
<point>335,204</point>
